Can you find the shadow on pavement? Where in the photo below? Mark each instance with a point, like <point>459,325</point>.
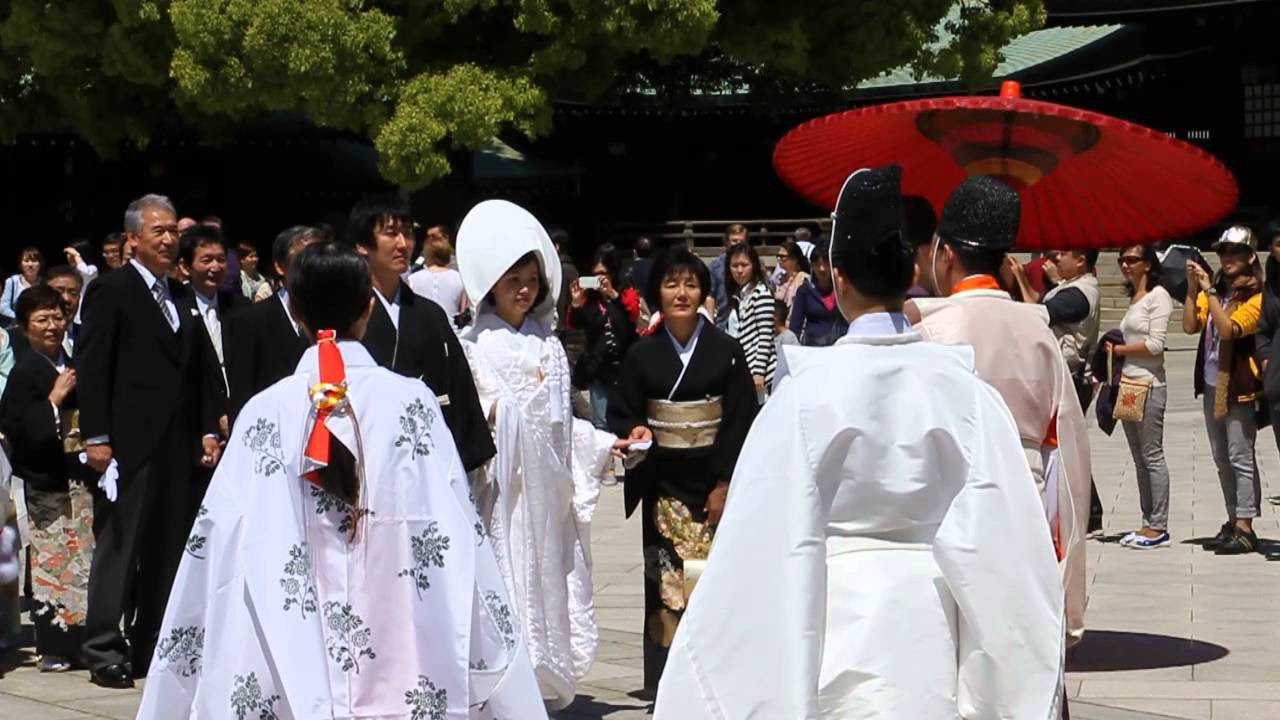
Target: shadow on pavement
<point>587,706</point>
<point>1267,547</point>
<point>1113,651</point>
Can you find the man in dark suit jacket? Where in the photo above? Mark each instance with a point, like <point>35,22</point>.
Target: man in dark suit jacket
<point>203,254</point>
<point>69,284</point>
<point>412,335</point>
<point>142,404</point>
<point>266,344</point>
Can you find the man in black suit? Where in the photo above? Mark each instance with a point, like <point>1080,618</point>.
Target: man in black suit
<point>203,254</point>
<point>67,281</point>
<point>142,404</point>
<point>266,344</point>
<point>411,335</point>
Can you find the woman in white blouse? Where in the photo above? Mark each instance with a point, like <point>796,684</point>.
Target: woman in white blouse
<point>31,270</point>
<point>1145,325</point>
<point>437,281</point>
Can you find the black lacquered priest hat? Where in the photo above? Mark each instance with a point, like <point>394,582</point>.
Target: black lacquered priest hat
<point>868,211</point>
<point>982,214</point>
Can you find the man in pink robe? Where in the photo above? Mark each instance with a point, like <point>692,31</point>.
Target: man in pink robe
<point>1017,354</point>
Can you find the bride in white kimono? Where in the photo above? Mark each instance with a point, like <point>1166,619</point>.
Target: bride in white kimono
<point>883,550</point>
<point>336,568</point>
<point>538,494</point>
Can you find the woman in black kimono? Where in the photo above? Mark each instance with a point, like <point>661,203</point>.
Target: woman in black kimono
<point>687,388</point>
<point>38,414</point>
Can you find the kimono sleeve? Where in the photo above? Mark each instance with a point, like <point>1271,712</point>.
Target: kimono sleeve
<point>30,422</point>
<point>500,677</point>
<point>740,407</point>
<point>1003,577</point>
<point>627,401</point>
<point>466,410</point>
<point>209,584</point>
<point>486,387</point>
<point>762,659</point>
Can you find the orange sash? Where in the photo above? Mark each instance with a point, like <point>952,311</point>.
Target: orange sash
<point>977,282</point>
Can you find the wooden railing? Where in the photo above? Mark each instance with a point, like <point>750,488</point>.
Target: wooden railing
<point>707,236</point>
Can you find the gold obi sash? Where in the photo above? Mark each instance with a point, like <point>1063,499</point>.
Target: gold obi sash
<point>72,442</point>
<point>681,425</point>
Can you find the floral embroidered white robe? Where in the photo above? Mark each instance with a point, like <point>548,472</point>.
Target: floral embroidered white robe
<point>276,613</point>
<point>882,555</point>
<point>537,496</point>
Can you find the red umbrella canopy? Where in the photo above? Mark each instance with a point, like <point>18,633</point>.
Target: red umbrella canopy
<point>1087,180</point>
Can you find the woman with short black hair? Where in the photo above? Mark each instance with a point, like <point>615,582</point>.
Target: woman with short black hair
<point>40,417</point>
<point>687,388</point>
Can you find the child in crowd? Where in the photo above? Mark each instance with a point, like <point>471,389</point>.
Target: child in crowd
<point>782,335</point>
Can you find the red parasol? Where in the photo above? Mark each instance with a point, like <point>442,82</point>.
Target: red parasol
<point>1087,180</point>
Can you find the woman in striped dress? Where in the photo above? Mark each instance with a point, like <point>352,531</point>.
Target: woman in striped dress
<point>751,319</point>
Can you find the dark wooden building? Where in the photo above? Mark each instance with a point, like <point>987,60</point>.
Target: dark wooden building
<point>1205,71</point>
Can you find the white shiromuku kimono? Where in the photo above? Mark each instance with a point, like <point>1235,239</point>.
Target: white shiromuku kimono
<point>277,613</point>
<point>538,494</point>
<point>888,541</point>
<point>1017,353</point>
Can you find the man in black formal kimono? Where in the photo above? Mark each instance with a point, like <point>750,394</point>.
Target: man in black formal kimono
<point>266,343</point>
<point>142,404</point>
<point>412,335</point>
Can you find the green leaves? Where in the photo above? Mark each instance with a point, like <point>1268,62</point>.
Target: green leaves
<point>463,107</point>
<point>335,63</point>
<point>425,78</point>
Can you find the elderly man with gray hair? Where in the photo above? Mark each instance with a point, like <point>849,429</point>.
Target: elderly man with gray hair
<point>148,422</point>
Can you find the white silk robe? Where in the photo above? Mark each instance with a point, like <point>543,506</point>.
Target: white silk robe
<point>1017,353</point>
<point>276,613</point>
<point>882,555</point>
<point>537,496</point>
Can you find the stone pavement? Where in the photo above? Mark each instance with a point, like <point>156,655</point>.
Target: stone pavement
<point>1174,633</point>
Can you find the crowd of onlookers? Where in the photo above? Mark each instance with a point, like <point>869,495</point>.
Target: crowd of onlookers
<point>63,504</point>
<point>1235,314</point>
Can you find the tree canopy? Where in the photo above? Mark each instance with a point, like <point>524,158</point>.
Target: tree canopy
<point>420,78</point>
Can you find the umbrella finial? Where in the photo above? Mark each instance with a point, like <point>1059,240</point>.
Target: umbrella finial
<point>1010,89</point>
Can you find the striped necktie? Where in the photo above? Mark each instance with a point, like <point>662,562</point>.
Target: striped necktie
<point>159,291</point>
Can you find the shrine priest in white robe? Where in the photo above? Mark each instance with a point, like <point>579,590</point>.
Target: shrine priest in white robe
<point>537,496</point>
<point>337,568</point>
<point>1017,353</point>
<point>865,566</point>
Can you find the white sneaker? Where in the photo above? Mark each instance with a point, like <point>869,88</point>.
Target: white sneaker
<point>1142,542</point>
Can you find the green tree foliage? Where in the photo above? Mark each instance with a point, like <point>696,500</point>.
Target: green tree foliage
<point>423,77</point>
